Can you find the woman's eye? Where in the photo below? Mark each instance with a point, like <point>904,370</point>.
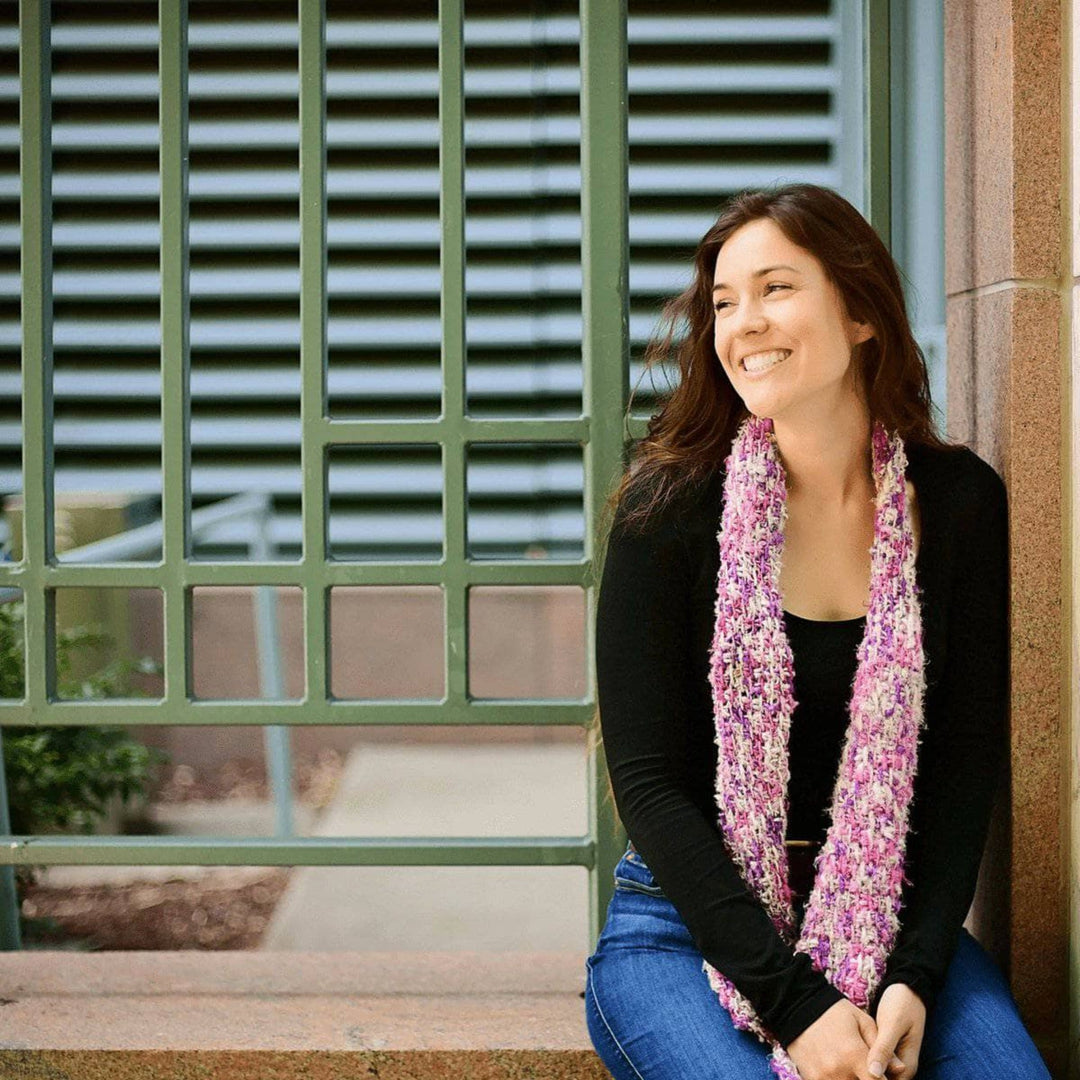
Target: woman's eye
<point>720,304</point>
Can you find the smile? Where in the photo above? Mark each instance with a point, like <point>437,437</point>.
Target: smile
<point>759,363</point>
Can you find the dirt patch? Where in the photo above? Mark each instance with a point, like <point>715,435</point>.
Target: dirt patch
<point>229,908</point>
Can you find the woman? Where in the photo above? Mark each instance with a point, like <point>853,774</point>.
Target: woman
<point>802,662</point>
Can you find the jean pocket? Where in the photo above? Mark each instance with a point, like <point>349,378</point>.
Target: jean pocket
<point>630,885</point>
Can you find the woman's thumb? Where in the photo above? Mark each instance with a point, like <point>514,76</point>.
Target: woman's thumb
<point>881,1051</point>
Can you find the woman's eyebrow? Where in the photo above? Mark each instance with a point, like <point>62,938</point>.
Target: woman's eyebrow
<point>758,273</point>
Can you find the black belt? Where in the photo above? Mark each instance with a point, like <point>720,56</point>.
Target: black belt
<point>801,855</point>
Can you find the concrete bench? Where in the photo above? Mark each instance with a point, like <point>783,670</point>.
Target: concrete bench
<point>270,1015</point>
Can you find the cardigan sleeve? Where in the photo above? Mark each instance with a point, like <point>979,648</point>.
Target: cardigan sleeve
<point>643,677</point>
<point>963,753</point>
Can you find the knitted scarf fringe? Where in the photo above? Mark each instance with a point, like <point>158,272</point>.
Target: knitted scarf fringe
<point>851,917</point>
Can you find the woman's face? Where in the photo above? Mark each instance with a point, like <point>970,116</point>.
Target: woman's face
<point>792,307</point>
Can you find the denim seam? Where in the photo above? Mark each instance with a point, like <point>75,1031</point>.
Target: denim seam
<point>607,1026</point>
<point>638,886</point>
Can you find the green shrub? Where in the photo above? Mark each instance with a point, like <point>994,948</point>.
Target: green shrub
<point>63,778</point>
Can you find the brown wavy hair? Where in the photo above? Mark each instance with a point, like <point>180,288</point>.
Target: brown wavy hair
<point>690,436</point>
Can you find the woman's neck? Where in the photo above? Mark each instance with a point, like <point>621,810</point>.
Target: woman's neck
<point>828,466</point>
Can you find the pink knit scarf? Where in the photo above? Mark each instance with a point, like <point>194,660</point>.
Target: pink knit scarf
<point>851,916</point>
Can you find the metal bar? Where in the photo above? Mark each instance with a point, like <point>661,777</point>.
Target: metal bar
<point>145,538</point>
<point>10,932</point>
<point>452,315</point>
<point>877,176</point>
<point>501,712</point>
<point>175,347</point>
<point>300,851</point>
<point>510,572</point>
<point>35,135</point>
<point>313,344</point>
<point>37,355</point>
<point>478,429</point>
<point>605,341</point>
<point>846,107</point>
<point>271,681</point>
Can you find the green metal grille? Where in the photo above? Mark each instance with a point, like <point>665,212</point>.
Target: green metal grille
<point>599,433</point>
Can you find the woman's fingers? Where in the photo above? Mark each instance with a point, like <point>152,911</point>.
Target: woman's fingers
<point>899,1069</point>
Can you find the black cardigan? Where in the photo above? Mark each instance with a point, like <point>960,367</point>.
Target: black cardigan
<point>654,628</point>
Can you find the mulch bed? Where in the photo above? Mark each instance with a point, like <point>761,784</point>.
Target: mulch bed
<point>225,908</point>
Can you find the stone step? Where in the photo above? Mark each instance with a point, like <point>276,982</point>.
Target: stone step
<point>322,1014</point>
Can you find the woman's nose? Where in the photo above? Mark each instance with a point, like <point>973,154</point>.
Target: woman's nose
<point>748,319</point>
<point>750,315</point>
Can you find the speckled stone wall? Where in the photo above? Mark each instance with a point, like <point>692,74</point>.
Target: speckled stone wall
<point>1009,243</point>
<point>1072,225</point>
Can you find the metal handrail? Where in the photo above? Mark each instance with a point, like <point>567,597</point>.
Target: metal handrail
<point>138,541</point>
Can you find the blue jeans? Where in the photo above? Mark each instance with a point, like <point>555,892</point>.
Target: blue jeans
<point>652,1015</point>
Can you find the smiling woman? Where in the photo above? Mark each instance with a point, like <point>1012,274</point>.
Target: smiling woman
<point>797,269</point>
<point>795,551</point>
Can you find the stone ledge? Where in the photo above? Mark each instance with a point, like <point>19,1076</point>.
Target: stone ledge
<point>300,1065</point>
<point>181,1015</point>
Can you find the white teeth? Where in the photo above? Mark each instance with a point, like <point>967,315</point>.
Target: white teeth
<point>760,361</point>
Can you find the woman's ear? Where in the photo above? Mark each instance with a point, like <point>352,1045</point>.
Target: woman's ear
<point>863,331</point>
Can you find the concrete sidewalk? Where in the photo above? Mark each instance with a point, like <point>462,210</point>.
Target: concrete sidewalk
<point>417,789</point>
<point>445,790</point>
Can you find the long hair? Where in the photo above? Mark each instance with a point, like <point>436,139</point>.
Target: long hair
<point>691,434</point>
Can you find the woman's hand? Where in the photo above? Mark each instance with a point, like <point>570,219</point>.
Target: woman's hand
<point>901,1020</point>
<point>836,1045</point>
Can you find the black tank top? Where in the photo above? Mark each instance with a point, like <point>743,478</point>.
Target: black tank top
<point>825,660</point>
